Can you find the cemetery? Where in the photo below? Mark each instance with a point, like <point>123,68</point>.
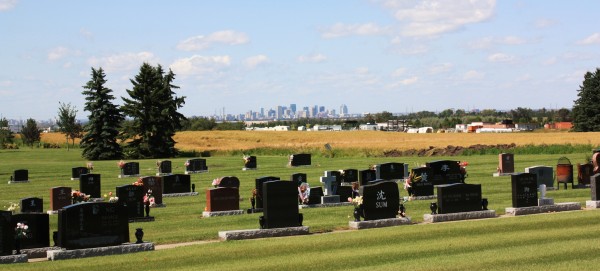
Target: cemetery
<point>268,203</point>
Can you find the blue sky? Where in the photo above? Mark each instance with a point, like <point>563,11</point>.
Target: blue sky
<point>372,55</point>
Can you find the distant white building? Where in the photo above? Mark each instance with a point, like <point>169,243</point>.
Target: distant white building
<point>368,127</point>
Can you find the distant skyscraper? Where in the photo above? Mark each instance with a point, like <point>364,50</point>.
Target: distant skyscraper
<point>293,108</point>
<point>321,109</point>
<point>343,110</point>
<point>262,113</point>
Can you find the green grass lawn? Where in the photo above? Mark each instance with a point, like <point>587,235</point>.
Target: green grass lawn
<point>553,241</point>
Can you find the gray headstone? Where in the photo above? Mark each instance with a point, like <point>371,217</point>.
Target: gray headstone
<point>545,175</point>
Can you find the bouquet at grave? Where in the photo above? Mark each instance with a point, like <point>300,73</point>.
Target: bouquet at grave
<point>216,182</point>
<point>21,231</point>
<point>246,159</point>
<point>110,198</point>
<point>149,199</point>
<point>121,164</point>
<point>187,163</point>
<point>139,182</point>
<point>90,166</point>
<point>356,201</point>
<point>13,207</point>
<point>303,193</point>
<point>463,168</point>
<point>78,196</point>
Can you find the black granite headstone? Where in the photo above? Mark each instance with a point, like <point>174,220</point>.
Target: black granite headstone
<point>89,184</point>
<point>524,190</point>
<point>423,186</point>
<point>445,172</point>
<point>60,197</point>
<point>349,175</point>
<point>344,192</point>
<point>595,184</point>
<point>78,171</point>
<point>7,233</point>
<point>367,175</point>
<point>32,205</point>
<point>177,183</point>
<point>250,162</point>
<point>229,181</point>
<point>380,200</point>
<point>280,204</point>
<point>39,229</point>
<point>299,178</point>
<point>132,198</point>
<point>391,171</point>
<point>300,159</point>
<point>458,197</point>
<point>131,169</point>
<point>315,195</point>
<point>92,224</point>
<point>20,175</point>
<point>584,172</point>
<point>155,185</point>
<point>196,165</point>
<point>338,178</point>
<point>165,167</point>
<point>258,184</point>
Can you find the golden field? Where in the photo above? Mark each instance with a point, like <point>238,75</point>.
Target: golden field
<point>373,140</point>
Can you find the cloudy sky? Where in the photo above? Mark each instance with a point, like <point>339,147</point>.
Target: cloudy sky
<point>372,55</point>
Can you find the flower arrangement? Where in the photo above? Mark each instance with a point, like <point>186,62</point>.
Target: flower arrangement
<point>357,201</point>
<point>187,163</point>
<point>216,182</point>
<point>13,207</point>
<point>21,231</point>
<point>90,166</point>
<point>121,164</point>
<point>139,182</point>
<point>110,198</point>
<point>246,159</point>
<point>149,199</point>
<point>78,196</point>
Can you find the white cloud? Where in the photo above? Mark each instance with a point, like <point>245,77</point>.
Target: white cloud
<point>340,30</point>
<point>122,62</point>
<point>409,81</point>
<point>431,17</point>
<point>488,42</point>
<point>500,57</point>
<point>314,58</point>
<point>444,67</point>
<point>399,72</point>
<point>512,40</point>
<point>592,39</point>
<point>228,37</point>
<point>543,23</point>
<point>472,75</point>
<point>198,65</point>
<point>254,61</point>
<point>7,4</point>
<point>58,53</point>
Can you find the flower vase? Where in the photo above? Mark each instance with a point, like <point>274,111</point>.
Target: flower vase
<point>139,234</point>
<point>147,209</point>
<point>484,204</point>
<point>433,206</point>
<point>18,245</point>
<point>356,214</point>
<point>402,210</point>
<point>253,202</point>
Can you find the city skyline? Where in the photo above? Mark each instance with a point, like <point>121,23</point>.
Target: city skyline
<point>372,55</point>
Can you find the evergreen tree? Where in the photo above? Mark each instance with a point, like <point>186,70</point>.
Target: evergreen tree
<point>6,135</point>
<point>153,108</point>
<point>100,139</point>
<point>586,111</point>
<point>66,120</point>
<point>30,133</point>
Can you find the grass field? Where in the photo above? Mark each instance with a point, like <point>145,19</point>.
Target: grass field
<point>561,241</point>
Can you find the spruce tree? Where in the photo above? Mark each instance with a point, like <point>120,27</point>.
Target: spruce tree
<point>30,133</point>
<point>6,135</point>
<point>153,109</point>
<point>100,139</point>
<point>586,111</point>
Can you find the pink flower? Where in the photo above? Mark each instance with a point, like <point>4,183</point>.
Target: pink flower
<point>349,199</point>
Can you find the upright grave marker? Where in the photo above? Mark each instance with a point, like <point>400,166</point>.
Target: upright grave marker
<point>331,186</point>
<point>164,168</point>
<point>524,190</point>
<point>366,176</point>
<point>222,199</point>
<point>445,172</point>
<point>349,176</point>
<point>7,233</point>
<point>32,205</point>
<point>544,175</point>
<point>258,185</point>
<point>280,205</point>
<point>380,200</point>
<point>60,197</point>
<point>420,185</point>
<point>176,183</point>
<point>584,172</point>
<point>300,159</point>
<point>390,171</point>
<point>39,229</point>
<point>154,184</point>
<point>131,197</point>
<point>196,165</point>
<point>458,197</point>
<point>90,185</point>
<point>249,163</point>
<point>78,171</point>
<point>130,169</point>
<point>19,176</point>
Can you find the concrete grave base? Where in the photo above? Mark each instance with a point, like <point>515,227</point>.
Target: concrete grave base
<point>223,213</point>
<point>36,252</point>
<point>10,182</point>
<point>502,174</point>
<point>180,194</point>
<point>21,258</point>
<point>163,174</point>
<point>127,176</point>
<point>53,255</point>
<point>592,204</point>
<point>559,207</point>
<point>421,198</point>
<point>546,201</point>
<point>244,169</point>
<point>52,212</point>
<point>193,172</point>
<point>459,216</point>
<point>330,199</point>
<point>141,219</point>
<point>325,205</point>
<point>379,223</point>
<point>262,233</point>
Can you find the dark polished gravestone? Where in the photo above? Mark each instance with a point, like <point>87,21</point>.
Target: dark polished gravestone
<point>164,168</point>
<point>78,171</point>
<point>584,172</point>
<point>299,178</point>
<point>300,159</point>
<point>349,176</point>
<point>421,186</point>
<point>89,184</point>
<point>390,171</point>
<point>39,229</point>
<point>222,199</point>
<point>595,185</point>
<point>7,233</point>
<point>176,183</point>
<point>258,185</point>
<point>506,163</point>
<point>280,205</point>
<point>154,184</point>
<point>20,175</point>
<point>92,224</point>
<point>195,165</point>
<point>544,175</point>
<point>380,200</point>
<point>32,205</point>
<point>524,190</point>
<point>130,169</point>
<point>132,198</point>
<point>458,197</point>
<point>60,197</point>
<point>366,176</point>
<point>316,193</point>
<point>250,162</point>
<point>445,172</point>
<point>229,181</point>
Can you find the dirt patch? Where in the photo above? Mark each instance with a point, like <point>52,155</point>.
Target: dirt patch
<point>449,150</point>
